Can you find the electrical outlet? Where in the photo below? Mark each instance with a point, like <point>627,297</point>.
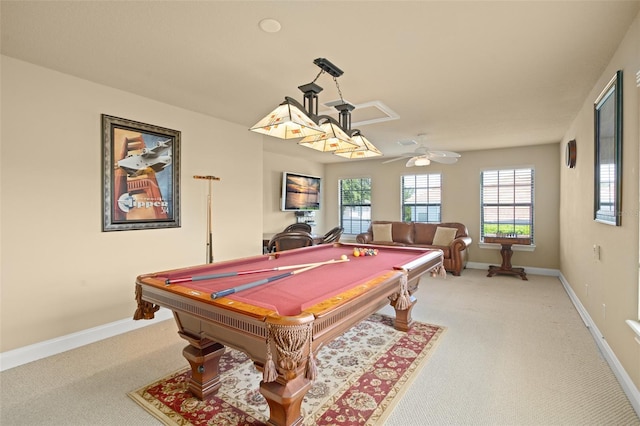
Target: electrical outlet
<point>596,252</point>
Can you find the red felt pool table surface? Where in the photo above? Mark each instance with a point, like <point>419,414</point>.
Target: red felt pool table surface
<point>296,293</point>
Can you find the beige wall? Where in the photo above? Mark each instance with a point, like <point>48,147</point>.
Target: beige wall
<point>61,274</point>
<point>608,288</point>
<point>461,195</point>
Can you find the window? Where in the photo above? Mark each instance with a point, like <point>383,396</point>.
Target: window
<point>355,205</point>
<point>507,202</point>
<point>422,198</point>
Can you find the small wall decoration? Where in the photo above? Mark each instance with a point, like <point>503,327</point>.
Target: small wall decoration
<point>141,175</point>
<point>570,154</point>
<point>608,153</point>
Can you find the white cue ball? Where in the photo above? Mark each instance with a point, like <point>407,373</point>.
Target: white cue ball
<point>344,257</point>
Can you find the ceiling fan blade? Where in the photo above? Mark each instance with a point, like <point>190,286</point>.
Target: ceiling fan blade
<point>421,150</point>
<point>393,159</point>
<point>418,151</point>
<point>445,157</point>
<point>444,160</point>
<point>434,154</point>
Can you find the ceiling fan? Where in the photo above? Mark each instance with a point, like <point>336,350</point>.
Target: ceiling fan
<point>423,156</point>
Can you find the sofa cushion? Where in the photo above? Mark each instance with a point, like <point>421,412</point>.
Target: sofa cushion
<point>424,232</point>
<point>462,230</point>
<point>382,232</point>
<point>444,236</point>
<point>402,232</point>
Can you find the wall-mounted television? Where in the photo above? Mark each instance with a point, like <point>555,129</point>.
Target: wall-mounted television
<point>300,192</point>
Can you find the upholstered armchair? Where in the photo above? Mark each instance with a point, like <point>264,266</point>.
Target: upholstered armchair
<point>289,240</point>
<point>333,235</point>
<point>305,227</point>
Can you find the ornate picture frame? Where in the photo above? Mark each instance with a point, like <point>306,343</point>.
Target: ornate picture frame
<point>141,175</point>
<point>608,153</point>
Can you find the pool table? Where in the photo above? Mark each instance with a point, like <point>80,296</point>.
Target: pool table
<point>281,324</point>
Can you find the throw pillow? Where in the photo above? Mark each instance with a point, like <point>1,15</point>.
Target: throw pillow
<point>382,232</point>
<point>444,236</point>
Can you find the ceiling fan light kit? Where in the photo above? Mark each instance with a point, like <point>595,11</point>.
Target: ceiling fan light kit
<point>291,120</point>
<point>420,161</point>
<point>423,156</point>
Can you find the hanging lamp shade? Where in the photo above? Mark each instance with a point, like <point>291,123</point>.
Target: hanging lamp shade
<point>333,138</point>
<point>365,148</point>
<point>287,121</point>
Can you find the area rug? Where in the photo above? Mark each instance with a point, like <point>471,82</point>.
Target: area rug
<point>361,376</point>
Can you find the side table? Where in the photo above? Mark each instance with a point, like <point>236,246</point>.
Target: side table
<point>506,253</point>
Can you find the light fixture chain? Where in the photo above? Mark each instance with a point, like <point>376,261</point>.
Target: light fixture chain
<point>318,76</point>
<point>339,91</point>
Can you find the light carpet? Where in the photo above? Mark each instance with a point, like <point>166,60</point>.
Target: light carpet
<point>362,374</point>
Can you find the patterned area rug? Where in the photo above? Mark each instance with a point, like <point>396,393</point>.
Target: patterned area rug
<point>361,375</point>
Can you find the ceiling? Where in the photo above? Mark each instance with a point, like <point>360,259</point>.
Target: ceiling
<point>468,75</point>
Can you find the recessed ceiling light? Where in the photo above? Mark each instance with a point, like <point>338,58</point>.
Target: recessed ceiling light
<point>269,25</point>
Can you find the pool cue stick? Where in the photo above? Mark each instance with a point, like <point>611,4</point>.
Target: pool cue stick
<point>222,293</point>
<point>209,237</point>
<point>253,271</point>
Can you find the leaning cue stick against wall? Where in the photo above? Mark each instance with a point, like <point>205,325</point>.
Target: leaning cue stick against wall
<point>209,237</point>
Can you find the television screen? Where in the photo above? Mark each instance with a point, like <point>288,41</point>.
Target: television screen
<point>300,192</point>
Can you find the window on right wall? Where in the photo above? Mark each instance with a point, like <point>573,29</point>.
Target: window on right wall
<point>507,202</point>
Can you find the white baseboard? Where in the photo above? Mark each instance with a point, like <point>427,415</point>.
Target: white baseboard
<point>625,381</point>
<point>26,354</point>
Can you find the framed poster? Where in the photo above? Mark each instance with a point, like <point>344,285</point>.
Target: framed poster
<point>608,153</point>
<point>141,175</point>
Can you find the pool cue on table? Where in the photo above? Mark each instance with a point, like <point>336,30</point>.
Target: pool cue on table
<point>209,236</point>
<point>227,292</point>
<point>253,271</point>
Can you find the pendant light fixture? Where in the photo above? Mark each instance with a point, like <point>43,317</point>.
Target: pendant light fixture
<point>290,120</point>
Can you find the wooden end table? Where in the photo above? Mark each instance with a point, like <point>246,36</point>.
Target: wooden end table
<point>506,252</point>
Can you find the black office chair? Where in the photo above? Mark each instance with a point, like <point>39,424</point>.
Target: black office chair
<point>289,240</point>
<point>305,227</point>
<point>333,236</point>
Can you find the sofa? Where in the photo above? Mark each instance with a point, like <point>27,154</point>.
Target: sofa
<point>450,237</point>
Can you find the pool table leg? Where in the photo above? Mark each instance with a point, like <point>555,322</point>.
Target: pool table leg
<point>403,319</point>
<point>204,357</point>
<point>285,399</point>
